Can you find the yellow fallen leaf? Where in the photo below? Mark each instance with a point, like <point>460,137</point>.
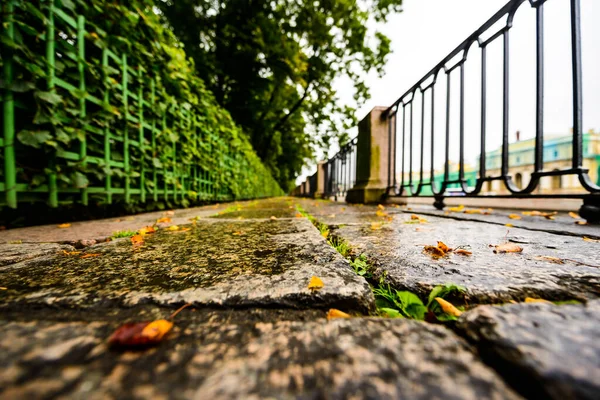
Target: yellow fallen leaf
<point>442,246</point>
<point>63,226</point>
<point>507,248</point>
<point>587,239</point>
<point>325,234</point>
<point>509,225</point>
<point>273,217</point>
<point>3,288</point>
<point>457,209</point>
<point>146,230</point>
<point>333,313</point>
<point>238,233</point>
<point>156,330</point>
<point>298,215</point>
<point>573,215</point>
<point>163,220</point>
<point>448,307</point>
<point>514,216</point>
<point>434,251</point>
<point>315,283</point>
<point>173,228</point>
<point>381,207</point>
<point>376,225</point>
<point>532,300</point>
<point>581,222</point>
<point>90,255</point>
<point>475,211</point>
<point>137,239</point>
<point>549,215</point>
<point>380,213</point>
<point>463,252</point>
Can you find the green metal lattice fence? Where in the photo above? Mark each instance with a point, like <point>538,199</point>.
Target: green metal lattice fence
<point>116,132</point>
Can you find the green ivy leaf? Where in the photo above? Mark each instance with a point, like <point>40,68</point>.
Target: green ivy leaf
<point>80,181</point>
<point>49,97</point>
<point>392,313</point>
<point>17,86</point>
<point>34,138</point>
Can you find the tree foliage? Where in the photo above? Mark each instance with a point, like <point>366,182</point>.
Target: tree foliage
<point>273,64</point>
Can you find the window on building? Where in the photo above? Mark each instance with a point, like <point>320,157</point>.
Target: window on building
<point>518,160</point>
<point>519,180</point>
<point>555,154</point>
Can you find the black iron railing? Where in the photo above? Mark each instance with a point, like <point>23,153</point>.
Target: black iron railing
<point>403,138</point>
<point>340,171</point>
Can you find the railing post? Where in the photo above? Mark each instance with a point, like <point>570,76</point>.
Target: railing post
<point>10,169</point>
<point>371,162</point>
<point>320,181</point>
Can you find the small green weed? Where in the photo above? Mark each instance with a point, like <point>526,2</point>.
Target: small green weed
<point>123,234</point>
<point>361,266</point>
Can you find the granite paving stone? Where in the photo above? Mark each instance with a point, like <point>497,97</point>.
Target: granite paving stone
<point>547,350</point>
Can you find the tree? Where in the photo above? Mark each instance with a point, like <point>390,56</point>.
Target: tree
<point>273,64</point>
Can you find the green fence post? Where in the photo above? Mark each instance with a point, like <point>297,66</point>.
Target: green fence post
<point>81,68</point>
<point>142,150</point>
<point>165,186</point>
<point>107,157</point>
<point>125,128</point>
<point>10,168</point>
<point>50,62</point>
<point>154,177</point>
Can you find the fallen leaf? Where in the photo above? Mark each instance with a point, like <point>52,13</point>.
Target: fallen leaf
<point>69,253</point>
<point>475,211</point>
<point>457,209</point>
<point>380,213</point>
<point>173,228</point>
<point>273,217</point>
<point>435,251</point>
<point>554,260</point>
<point>507,248</point>
<point>137,239</point>
<point>509,225</point>
<point>63,226</point>
<point>573,215</point>
<point>325,234</point>
<point>315,283</point>
<point>163,220</point>
<point>587,239</point>
<point>238,233</point>
<point>88,255</point>
<point>548,215</point>
<point>333,313</point>
<point>414,216</point>
<point>448,307</point>
<point>581,222</point>
<point>514,216</point>
<point>532,300</point>
<point>298,215</point>
<point>442,246</point>
<point>3,288</point>
<point>417,219</point>
<point>381,207</point>
<point>146,230</point>
<point>376,225</point>
<point>463,252</point>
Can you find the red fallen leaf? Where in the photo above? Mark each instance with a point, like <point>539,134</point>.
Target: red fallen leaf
<point>141,334</point>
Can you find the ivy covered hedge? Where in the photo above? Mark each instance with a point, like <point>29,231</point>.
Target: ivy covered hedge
<point>101,105</point>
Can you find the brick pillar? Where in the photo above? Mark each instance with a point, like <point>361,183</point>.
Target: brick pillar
<point>371,159</point>
<point>320,189</point>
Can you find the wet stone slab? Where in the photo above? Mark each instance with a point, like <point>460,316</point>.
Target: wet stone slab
<point>220,263</point>
<point>358,358</point>
<point>547,350</point>
<point>396,248</point>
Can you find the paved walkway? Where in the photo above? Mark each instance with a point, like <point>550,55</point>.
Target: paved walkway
<point>256,330</point>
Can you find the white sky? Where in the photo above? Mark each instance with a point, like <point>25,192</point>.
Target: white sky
<point>428,30</point>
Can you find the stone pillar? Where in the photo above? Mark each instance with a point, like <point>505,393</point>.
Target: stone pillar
<point>371,159</point>
<point>305,188</point>
<point>320,189</point>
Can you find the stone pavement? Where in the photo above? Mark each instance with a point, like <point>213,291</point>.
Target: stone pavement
<point>255,330</point>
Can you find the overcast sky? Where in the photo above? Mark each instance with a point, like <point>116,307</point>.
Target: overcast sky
<point>428,30</point>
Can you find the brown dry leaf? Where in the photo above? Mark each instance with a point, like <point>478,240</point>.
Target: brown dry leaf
<point>63,226</point>
<point>514,216</point>
<point>273,217</point>
<point>574,215</point>
<point>434,251</point>
<point>507,248</point>
<point>414,216</point>
<point>163,220</point>
<point>137,239</point>
<point>315,283</point>
<point>88,255</point>
<point>442,246</point>
<point>333,313</point>
<point>554,260</point>
<point>448,307</point>
<point>532,300</point>
<point>146,230</point>
<point>581,222</point>
<point>457,209</point>
<point>463,252</point>
<point>587,239</point>
<point>509,225</point>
